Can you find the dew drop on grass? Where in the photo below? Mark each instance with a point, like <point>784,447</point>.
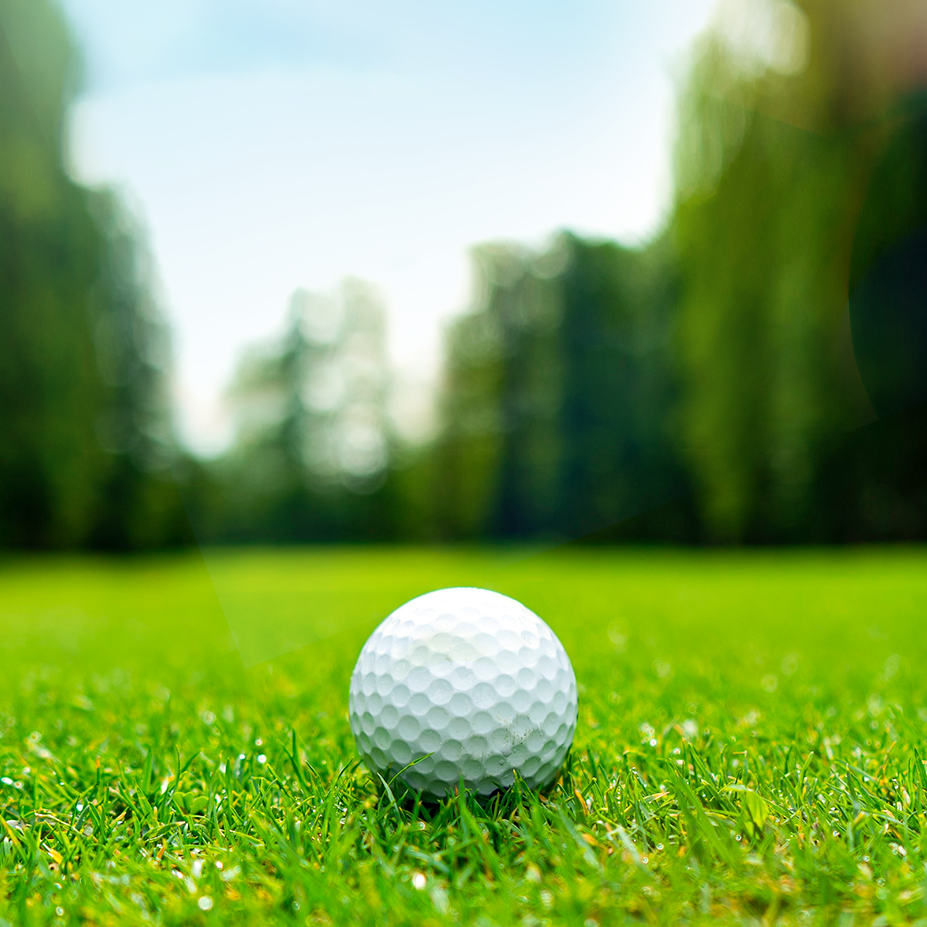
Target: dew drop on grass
<point>205,903</point>
<point>418,880</point>
<point>262,759</point>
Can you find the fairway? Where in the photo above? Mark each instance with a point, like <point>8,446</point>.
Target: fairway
<point>750,743</point>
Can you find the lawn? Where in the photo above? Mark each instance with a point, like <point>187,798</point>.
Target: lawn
<point>749,747</point>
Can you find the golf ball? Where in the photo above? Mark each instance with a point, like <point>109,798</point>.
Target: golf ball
<point>468,686</point>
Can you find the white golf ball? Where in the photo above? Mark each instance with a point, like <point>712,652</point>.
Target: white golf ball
<point>472,681</point>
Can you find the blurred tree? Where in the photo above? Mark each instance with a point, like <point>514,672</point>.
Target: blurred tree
<point>48,383</point>
<point>764,225</point>
<point>469,450</point>
<point>558,392</point>
<point>888,271</point>
<point>312,445</point>
<point>139,506</point>
<point>85,438</point>
<point>720,356</point>
<point>619,383</point>
<point>589,381</point>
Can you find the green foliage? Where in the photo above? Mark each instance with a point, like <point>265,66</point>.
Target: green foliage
<point>47,369</point>
<point>312,443</point>
<point>589,382</point>
<point>558,392</point>
<point>771,170</point>
<point>472,400</point>
<point>41,71</point>
<point>749,746</point>
<point>83,404</point>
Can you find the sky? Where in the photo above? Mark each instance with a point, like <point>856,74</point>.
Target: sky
<point>268,145</point>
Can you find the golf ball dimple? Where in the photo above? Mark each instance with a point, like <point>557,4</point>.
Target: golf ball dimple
<point>469,686</point>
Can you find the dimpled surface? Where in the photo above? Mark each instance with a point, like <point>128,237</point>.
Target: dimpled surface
<point>472,678</point>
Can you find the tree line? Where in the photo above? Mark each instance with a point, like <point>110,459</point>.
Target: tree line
<point>753,374</point>
<point>86,442</point>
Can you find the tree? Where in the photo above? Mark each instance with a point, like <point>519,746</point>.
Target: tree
<point>312,442</point>
<point>764,223</point>
<point>558,392</point>
<point>85,435</point>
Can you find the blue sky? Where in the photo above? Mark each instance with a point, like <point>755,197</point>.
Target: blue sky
<point>285,143</point>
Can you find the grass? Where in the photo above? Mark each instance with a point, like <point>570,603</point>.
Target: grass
<point>750,744</point>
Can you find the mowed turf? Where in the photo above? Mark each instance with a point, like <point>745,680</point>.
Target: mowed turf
<point>750,746</point>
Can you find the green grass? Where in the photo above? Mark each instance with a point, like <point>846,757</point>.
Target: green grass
<point>750,744</point>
